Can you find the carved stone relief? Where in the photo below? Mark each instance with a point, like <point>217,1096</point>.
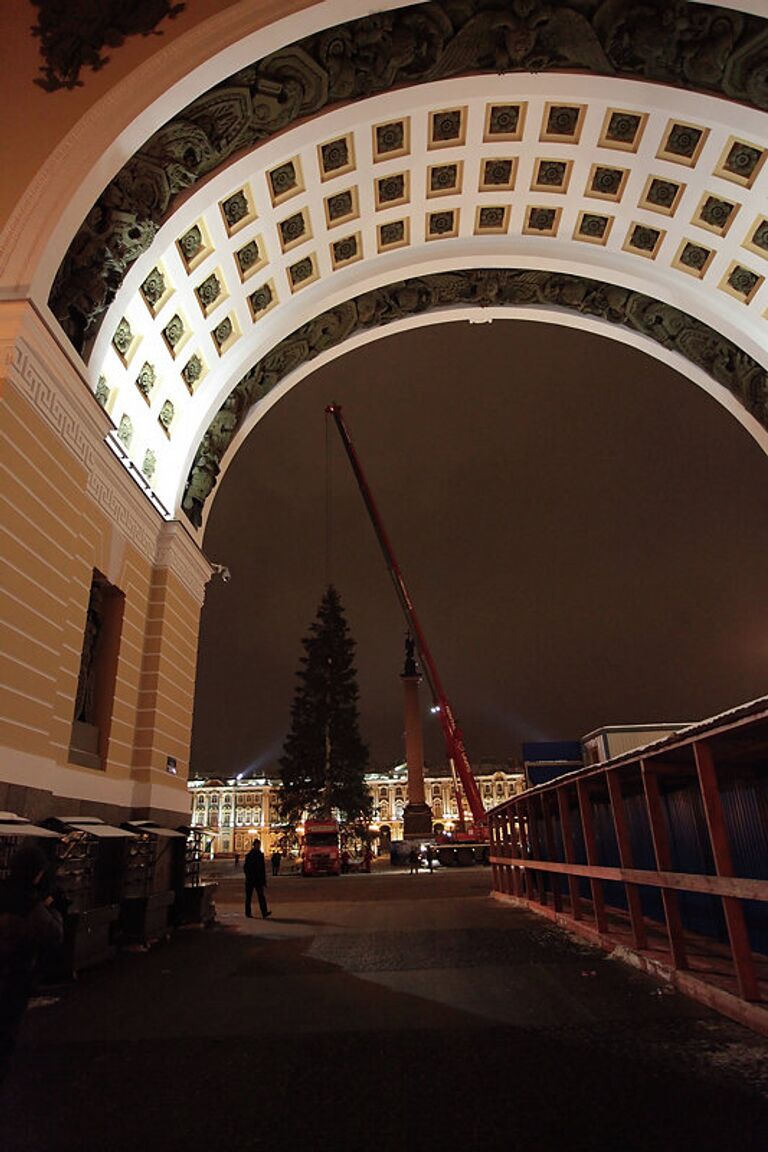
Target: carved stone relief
<point>73,36</point>
<point>484,287</point>
<point>692,46</point>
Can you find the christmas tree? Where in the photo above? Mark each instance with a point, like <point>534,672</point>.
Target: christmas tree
<point>324,758</point>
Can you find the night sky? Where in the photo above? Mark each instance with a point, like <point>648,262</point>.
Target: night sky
<point>582,530</point>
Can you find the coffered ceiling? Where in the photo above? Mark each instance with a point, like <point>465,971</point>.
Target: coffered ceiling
<point>224,260</point>
<point>598,178</point>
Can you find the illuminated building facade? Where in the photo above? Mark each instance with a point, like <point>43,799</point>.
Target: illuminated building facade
<point>235,811</point>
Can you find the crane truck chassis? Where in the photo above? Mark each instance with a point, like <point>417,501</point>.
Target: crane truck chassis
<point>320,853</point>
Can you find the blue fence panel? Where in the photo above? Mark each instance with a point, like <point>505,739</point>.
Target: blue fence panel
<point>608,851</point>
<point>643,855</point>
<point>691,852</point>
<point>745,809</point>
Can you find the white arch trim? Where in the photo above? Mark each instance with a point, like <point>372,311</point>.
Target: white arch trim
<point>486,316</point>
<point>36,238</point>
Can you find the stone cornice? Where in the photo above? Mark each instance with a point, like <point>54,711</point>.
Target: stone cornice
<point>177,551</point>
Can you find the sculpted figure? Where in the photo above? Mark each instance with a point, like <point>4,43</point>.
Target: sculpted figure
<point>330,328</point>
<point>252,387</point>
<point>296,80</point>
<point>202,478</point>
<point>418,39</point>
<point>335,53</point>
<point>487,287</point>
<point>222,428</point>
<point>656,319</point>
<point>731,367</point>
<point>413,296</point>
<point>374,308</point>
<point>745,76</point>
<point>452,288</point>
<point>289,354</point>
<point>520,287</point>
<point>564,291</point>
<point>707,45</point>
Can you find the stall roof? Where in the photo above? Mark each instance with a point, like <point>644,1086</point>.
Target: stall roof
<point>94,826</point>
<point>13,825</point>
<point>156,829</point>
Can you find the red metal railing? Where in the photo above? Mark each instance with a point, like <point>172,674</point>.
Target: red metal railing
<point>663,852</point>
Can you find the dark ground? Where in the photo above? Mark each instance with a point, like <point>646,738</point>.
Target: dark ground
<point>382,1011</point>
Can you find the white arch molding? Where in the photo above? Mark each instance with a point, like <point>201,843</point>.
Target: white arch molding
<point>477,317</point>
<point>745,326</point>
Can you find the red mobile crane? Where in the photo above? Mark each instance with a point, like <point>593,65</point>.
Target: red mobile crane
<point>477,831</point>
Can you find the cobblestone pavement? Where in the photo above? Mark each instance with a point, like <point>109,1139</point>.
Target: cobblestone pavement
<point>382,1011</point>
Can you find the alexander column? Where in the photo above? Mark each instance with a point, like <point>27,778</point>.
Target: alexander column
<point>417,817</point>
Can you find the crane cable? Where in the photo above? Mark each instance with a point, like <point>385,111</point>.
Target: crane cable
<point>328,509</point>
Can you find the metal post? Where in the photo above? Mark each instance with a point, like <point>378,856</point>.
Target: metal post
<point>590,843</point>
<point>741,950</point>
<point>660,837</point>
<point>549,842</point>
<point>639,934</point>
<point>534,842</point>
<point>516,852</point>
<point>530,879</point>
<point>570,855</point>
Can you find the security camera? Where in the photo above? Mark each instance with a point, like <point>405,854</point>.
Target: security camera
<point>223,571</point>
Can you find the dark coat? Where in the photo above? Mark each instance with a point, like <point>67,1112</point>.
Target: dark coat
<point>27,927</point>
<point>255,868</point>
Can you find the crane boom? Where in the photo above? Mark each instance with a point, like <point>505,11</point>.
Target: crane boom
<point>457,755</point>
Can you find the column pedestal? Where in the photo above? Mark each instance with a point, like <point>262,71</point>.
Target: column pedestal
<point>417,821</point>
<point>417,815</point>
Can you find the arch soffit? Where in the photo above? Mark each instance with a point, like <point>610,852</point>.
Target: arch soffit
<point>693,46</point>
<point>118,125</point>
<point>249,263</point>
<point>665,271</point>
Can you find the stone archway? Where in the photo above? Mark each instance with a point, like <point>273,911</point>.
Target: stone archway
<point>368,56</point>
<point>302,107</point>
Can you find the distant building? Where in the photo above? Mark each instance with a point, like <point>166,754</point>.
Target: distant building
<point>545,760</point>
<point>233,812</point>
<point>615,739</point>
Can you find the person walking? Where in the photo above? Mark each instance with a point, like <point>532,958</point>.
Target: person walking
<point>29,925</point>
<point>413,861</point>
<point>276,858</point>
<point>430,857</point>
<point>255,869</point>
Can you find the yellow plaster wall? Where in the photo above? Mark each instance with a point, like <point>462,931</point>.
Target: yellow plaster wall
<point>40,561</point>
<point>168,678</point>
<point>53,534</point>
